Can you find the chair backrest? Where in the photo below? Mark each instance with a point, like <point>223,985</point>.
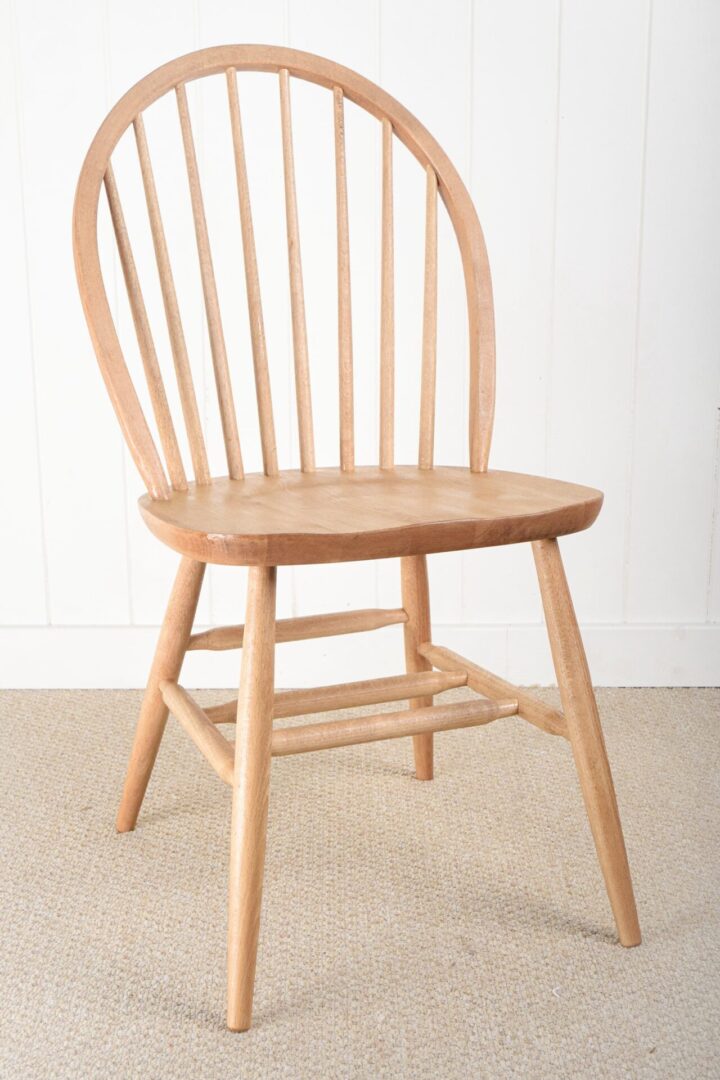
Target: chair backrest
<point>441,177</point>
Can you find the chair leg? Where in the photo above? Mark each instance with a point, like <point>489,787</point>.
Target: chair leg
<point>169,655</point>
<point>416,601</point>
<point>586,737</point>
<point>250,794</point>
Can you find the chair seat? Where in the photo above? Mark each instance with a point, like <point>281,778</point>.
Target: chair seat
<point>371,513</point>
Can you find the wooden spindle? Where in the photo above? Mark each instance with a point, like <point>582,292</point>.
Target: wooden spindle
<point>218,751</point>
<point>153,375</point>
<point>355,730</point>
<point>297,296</point>
<point>304,627</point>
<point>212,306</point>
<point>429,341</point>
<point>183,374</point>
<point>387,307</point>
<point>252,282</point>
<point>347,421</point>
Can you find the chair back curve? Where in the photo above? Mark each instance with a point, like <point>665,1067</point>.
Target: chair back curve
<point>162,457</point>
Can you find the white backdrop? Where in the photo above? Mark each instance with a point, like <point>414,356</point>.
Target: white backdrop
<point>588,135</point>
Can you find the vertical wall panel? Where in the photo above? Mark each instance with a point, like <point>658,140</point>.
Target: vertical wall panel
<point>676,398</point>
<point>600,168</point>
<point>62,101</point>
<point>22,568</point>
<point>713,610</point>
<point>514,142</point>
<point>595,175</point>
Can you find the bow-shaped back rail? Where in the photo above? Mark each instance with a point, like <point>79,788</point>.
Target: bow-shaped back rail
<point>441,178</point>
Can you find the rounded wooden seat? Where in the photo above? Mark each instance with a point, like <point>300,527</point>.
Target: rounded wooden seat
<point>370,513</point>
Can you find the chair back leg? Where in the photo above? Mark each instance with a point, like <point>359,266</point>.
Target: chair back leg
<point>251,784</point>
<point>416,601</point>
<point>586,737</point>
<point>169,655</point>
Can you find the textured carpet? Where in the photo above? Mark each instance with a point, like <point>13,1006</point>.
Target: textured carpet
<point>450,929</point>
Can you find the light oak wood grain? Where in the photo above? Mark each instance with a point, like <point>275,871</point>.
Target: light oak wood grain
<point>223,384</point>
<point>345,347</point>
<point>352,731</point>
<point>370,513</point>
<point>251,786</point>
<point>387,306</point>
<point>349,695</point>
<point>303,627</point>
<point>169,655</point>
<point>362,729</point>
<point>344,84</point>
<point>252,282</point>
<point>153,375</point>
<point>324,515</point>
<point>586,737</point>
<point>303,391</point>
<point>183,374</point>
<point>429,337</point>
<point>416,601</point>
<point>530,708</point>
<point>211,744</point>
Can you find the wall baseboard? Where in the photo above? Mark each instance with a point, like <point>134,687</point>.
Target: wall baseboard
<point>83,657</point>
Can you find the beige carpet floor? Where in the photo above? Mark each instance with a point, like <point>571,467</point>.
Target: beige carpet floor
<point>450,929</point>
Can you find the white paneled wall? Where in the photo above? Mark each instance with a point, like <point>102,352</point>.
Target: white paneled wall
<point>588,135</point>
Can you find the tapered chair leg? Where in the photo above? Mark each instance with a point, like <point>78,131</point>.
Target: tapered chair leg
<point>250,794</point>
<point>169,655</point>
<point>416,601</point>
<point>586,737</point>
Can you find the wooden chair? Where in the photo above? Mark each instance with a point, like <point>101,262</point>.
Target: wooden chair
<point>323,515</point>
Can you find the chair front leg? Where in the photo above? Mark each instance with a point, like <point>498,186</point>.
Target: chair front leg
<point>586,737</point>
<point>416,601</point>
<point>169,655</point>
<point>250,794</point>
